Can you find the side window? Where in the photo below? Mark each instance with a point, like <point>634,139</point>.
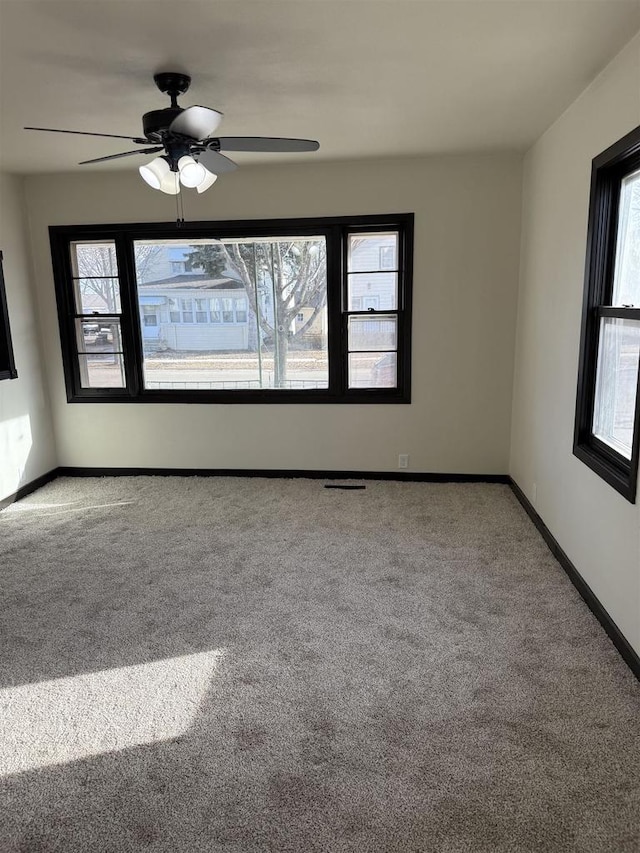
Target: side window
<point>97,315</point>
<point>373,309</point>
<point>607,430</point>
<point>7,365</point>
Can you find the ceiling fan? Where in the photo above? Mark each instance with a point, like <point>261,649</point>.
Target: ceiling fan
<point>191,154</point>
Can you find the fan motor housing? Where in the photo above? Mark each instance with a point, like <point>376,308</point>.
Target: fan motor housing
<point>156,123</point>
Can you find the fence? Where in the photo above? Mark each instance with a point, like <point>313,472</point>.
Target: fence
<point>233,385</point>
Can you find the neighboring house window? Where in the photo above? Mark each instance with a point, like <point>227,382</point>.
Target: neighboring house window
<point>607,431</point>
<point>387,257</point>
<point>370,303</point>
<point>202,312</point>
<point>7,365</point>
<point>208,311</point>
<point>227,311</point>
<point>246,343</point>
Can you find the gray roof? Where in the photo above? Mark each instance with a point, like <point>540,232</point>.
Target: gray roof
<point>191,281</point>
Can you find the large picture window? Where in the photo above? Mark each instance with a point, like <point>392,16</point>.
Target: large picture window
<point>607,432</point>
<point>311,310</point>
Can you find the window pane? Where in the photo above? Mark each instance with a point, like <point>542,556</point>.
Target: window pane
<point>97,295</point>
<point>377,333</point>
<point>97,258</point>
<point>616,383</point>
<point>102,371</point>
<point>373,290</point>
<point>249,337</point>
<point>102,337</point>
<point>373,370</point>
<point>626,280</point>
<point>371,252</point>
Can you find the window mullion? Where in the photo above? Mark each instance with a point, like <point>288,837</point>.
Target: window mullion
<point>336,334</point>
<point>617,312</point>
<point>131,333</point>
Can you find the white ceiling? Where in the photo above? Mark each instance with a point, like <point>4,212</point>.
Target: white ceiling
<point>365,78</point>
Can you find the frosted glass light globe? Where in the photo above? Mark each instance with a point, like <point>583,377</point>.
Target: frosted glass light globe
<point>155,171</point>
<point>191,173</point>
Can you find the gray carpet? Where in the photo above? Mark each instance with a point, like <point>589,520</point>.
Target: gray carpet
<point>241,665</point>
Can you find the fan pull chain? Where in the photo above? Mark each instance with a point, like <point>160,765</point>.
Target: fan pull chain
<point>179,210</point>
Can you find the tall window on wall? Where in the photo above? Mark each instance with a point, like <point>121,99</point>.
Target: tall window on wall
<point>97,313</point>
<point>372,309</point>
<point>607,431</point>
<point>7,365</point>
<point>308,310</point>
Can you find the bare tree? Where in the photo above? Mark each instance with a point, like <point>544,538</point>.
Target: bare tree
<point>289,274</point>
<point>97,269</point>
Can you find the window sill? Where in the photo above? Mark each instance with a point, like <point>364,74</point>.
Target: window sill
<point>364,396</point>
<point>617,475</point>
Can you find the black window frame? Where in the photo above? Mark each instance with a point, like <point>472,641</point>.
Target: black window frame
<point>7,360</point>
<point>336,230</point>
<point>609,169</point>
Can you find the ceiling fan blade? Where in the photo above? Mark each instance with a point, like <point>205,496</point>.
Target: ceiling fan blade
<point>196,122</point>
<point>216,163</point>
<point>266,143</point>
<point>123,154</point>
<point>87,133</point>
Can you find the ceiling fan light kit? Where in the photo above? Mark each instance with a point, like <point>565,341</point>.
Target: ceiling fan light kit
<point>191,155</point>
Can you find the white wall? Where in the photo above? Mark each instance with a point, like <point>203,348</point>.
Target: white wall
<point>466,266</point>
<point>598,529</point>
<point>26,438</point>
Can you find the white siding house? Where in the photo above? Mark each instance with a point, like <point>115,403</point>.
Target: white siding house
<point>193,312</point>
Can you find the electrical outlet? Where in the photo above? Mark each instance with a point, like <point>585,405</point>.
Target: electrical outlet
<point>403,460</point>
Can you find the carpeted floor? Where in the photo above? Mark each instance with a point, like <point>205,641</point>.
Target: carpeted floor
<point>197,665</point>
